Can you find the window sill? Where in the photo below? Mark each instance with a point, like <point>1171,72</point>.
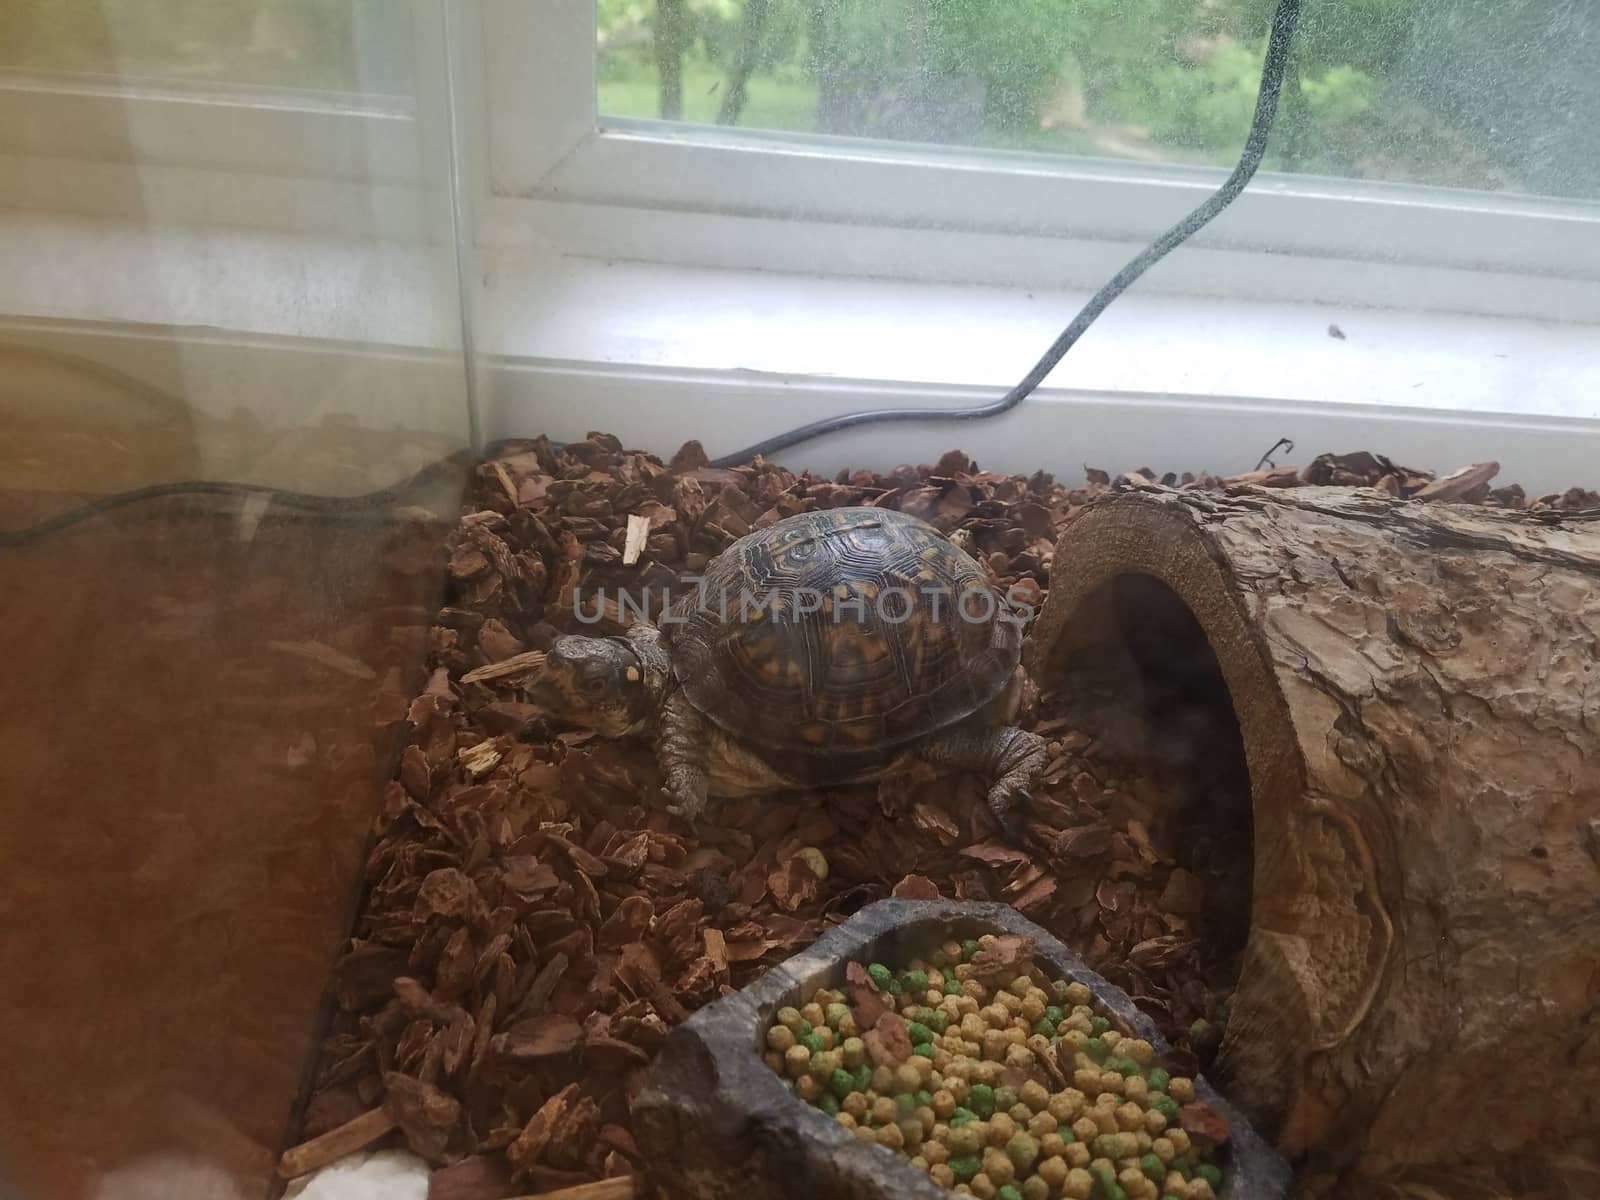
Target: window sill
<point>663,353</point>
<point>294,326</point>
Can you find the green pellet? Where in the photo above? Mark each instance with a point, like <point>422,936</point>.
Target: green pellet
<point>916,981</point>
<point>924,1099</point>
<point>1055,1014</point>
<point>919,1032</point>
<point>980,1099</point>
<point>952,987</point>
<point>1158,1079</point>
<point>938,1020</point>
<point>1096,1049</point>
<point>1008,1193</point>
<point>829,1104</point>
<point>1128,1069</point>
<point>803,1029</point>
<point>841,1083</point>
<point>1154,1169</point>
<point>905,1101</point>
<point>1098,1025</point>
<point>879,974</point>
<point>863,1078</point>
<point>1004,1098</point>
<point>812,1043</point>
<point>893,988</point>
<point>923,1051</point>
<point>965,1168</point>
<point>1182,1166</point>
<point>1166,1106</point>
<point>1106,1185</point>
<point>969,948</point>
<point>1044,1027</point>
<point>1022,1150</point>
<point>1210,1174</point>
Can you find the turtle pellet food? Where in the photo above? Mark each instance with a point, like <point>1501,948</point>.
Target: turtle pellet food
<point>997,1081</point>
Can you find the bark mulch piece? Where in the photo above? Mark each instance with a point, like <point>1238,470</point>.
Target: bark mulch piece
<point>534,923</point>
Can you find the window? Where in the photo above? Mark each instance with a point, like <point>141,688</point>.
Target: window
<point>1479,94</point>
<point>1411,168</point>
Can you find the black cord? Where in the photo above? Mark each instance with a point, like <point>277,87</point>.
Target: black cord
<point>341,505</point>
<point>1272,71</point>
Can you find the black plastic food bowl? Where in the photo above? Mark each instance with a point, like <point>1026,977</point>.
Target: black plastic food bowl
<point>715,1121</point>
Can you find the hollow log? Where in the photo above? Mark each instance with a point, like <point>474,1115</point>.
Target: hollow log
<point>1415,691</point>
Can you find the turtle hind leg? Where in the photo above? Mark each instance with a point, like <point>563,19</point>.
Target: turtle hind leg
<point>1010,758</point>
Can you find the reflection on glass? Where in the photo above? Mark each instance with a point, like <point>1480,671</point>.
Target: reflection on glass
<point>1500,95</point>
<point>363,45</point>
<point>204,688</point>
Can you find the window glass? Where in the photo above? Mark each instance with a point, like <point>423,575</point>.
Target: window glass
<point>338,45</point>
<point>1499,95</point>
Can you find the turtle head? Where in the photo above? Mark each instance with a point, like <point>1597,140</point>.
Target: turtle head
<point>598,683</point>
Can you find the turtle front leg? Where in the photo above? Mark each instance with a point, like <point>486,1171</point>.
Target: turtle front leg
<point>682,743</point>
<point>1009,757</point>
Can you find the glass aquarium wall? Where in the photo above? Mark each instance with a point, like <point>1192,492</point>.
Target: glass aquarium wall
<point>229,245</point>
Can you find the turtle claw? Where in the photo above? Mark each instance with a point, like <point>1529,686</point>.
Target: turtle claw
<point>1009,806</point>
<point>687,805</point>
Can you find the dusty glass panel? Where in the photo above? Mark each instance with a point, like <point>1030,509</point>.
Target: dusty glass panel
<point>203,684</point>
<point>1502,95</point>
<point>359,46</point>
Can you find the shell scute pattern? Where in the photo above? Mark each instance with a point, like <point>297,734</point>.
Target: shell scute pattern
<point>842,631</point>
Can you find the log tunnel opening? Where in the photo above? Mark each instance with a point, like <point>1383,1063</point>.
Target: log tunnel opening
<point>1155,696</point>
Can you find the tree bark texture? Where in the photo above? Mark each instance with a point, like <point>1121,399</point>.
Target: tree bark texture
<point>670,42</point>
<point>1417,693</point>
<point>752,31</point>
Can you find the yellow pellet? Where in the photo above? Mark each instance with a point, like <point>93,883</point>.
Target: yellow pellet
<point>797,1059</point>
<point>1000,1169</point>
<point>1079,1185</point>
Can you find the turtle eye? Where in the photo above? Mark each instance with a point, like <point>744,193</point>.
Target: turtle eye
<point>595,685</point>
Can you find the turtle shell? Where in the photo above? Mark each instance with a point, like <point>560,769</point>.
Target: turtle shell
<point>842,632</point>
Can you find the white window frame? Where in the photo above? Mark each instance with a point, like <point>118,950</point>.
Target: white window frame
<point>674,280</point>
<point>893,210</point>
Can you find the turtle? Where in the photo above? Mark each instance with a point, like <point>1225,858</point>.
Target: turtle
<point>790,667</point>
